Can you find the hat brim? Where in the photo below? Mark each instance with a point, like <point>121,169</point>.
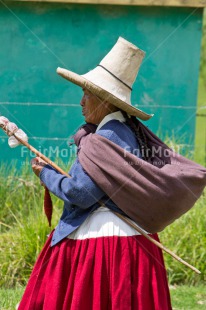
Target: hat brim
<point>103,94</point>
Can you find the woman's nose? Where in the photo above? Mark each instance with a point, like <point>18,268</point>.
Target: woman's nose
<point>82,102</point>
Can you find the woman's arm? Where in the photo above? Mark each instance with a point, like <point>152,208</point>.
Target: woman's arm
<point>79,189</point>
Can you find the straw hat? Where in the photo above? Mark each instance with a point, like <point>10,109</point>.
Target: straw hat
<point>113,78</point>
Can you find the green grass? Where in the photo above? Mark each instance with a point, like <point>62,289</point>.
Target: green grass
<point>188,298</point>
<point>187,238</point>
<point>183,297</point>
<point>23,226</point>
<point>9,298</point>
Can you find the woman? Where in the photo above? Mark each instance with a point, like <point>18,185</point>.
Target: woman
<point>93,259</point>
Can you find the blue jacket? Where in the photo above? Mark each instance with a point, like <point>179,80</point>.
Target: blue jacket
<point>80,193</point>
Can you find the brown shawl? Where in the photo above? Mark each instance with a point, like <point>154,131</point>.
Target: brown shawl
<point>153,193</point>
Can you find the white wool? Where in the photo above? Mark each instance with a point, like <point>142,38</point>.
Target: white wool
<point>3,121</point>
<point>11,127</point>
<point>13,142</point>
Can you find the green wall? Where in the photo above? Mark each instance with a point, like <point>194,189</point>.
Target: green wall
<point>36,38</point>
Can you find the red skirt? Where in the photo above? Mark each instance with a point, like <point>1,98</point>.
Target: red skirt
<point>112,272</point>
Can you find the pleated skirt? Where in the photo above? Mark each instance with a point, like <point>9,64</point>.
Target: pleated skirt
<point>104,265</point>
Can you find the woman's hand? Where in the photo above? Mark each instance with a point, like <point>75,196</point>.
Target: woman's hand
<point>37,165</point>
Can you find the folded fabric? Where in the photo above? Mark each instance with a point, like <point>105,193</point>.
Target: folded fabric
<point>153,193</point>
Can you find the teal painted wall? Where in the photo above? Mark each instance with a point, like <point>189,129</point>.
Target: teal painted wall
<point>37,38</point>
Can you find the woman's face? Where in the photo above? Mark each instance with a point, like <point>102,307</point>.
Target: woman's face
<point>93,108</point>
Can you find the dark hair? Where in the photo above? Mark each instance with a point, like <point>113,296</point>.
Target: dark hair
<point>133,123</point>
